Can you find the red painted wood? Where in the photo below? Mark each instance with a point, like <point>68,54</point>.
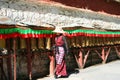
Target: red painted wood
<point>107,53</point>
<point>80,59</point>
<point>14,58</point>
<point>29,60</point>
<point>99,54</point>
<point>103,54</point>
<point>110,7</point>
<point>52,65</point>
<point>85,57</point>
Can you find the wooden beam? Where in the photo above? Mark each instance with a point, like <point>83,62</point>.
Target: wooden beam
<point>29,60</point>
<point>105,54</point>
<point>80,59</point>
<point>14,58</point>
<point>85,57</point>
<point>52,64</point>
<point>9,65</point>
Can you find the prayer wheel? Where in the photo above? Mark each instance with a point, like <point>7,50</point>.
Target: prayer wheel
<point>41,43</point>
<point>90,41</point>
<point>118,40</point>
<point>87,42</point>
<point>48,43</point>
<point>33,43</point>
<point>2,43</point>
<point>68,41</point>
<point>73,42</point>
<point>78,41</point>
<point>83,41</point>
<point>22,43</point>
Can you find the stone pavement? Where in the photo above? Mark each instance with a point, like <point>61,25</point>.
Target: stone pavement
<point>108,71</point>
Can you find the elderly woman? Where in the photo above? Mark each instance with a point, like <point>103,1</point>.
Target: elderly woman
<point>60,50</point>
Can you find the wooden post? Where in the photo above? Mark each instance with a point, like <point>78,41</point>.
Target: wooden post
<point>80,59</point>
<point>52,60</point>
<point>9,65</point>
<point>105,54</point>
<point>74,51</point>
<point>85,57</point>
<point>14,57</point>
<point>52,65</point>
<point>29,60</point>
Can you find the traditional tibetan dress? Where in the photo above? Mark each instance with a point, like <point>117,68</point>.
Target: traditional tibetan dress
<point>60,56</point>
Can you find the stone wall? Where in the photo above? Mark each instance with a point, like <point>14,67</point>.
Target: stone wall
<point>40,65</point>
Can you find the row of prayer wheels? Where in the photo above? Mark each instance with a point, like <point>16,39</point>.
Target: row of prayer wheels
<point>82,41</point>
<point>79,41</point>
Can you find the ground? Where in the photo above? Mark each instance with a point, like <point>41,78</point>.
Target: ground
<point>108,71</point>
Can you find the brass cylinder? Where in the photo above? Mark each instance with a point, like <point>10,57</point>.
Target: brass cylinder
<point>73,42</point>
<point>41,43</point>
<point>2,43</point>
<point>22,43</point>
<point>33,43</point>
<point>68,41</point>
<point>48,43</point>
<point>78,41</point>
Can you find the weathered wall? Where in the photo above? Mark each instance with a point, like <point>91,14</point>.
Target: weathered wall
<point>40,64</point>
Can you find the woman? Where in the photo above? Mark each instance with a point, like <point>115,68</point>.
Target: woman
<point>60,50</point>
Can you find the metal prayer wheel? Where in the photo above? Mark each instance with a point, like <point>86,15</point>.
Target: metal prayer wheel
<point>2,43</point>
<point>22,43</point>
<point>118,40</point>
<point>73,42</point>
<point>97,41</point>
<point>83,41</point>
<point>33,43</point>
<point>41,43</point>
<point>90,41</point>
<point>48,43</point>
<point>68,41</point>
<point>78,41</point>
<point>87,41</point>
